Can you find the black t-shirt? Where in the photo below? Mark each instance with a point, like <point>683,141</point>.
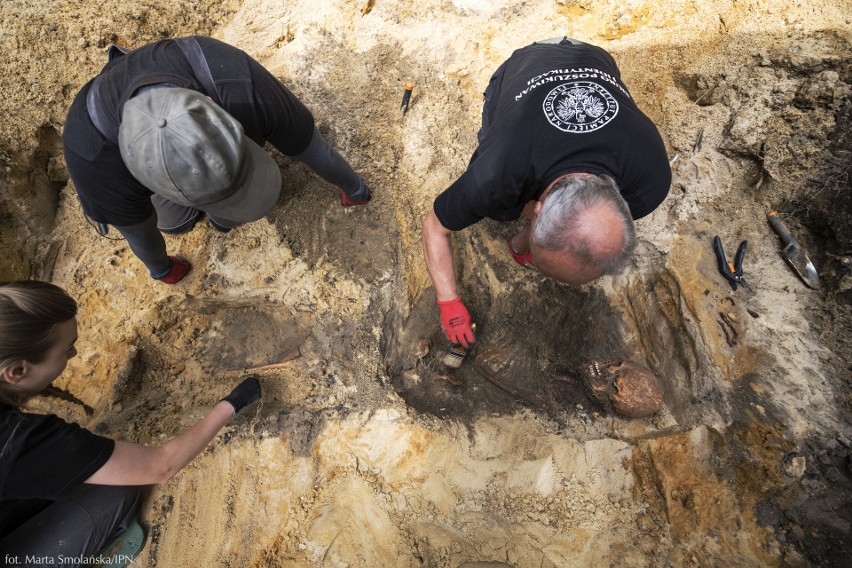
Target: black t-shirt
<point>267,110</point>
<point>556,110</point>
<point>43,457</point>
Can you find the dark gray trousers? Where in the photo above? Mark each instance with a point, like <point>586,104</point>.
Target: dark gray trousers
<point>70,530</point>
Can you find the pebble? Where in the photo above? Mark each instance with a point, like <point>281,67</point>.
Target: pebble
<point>795,466</point>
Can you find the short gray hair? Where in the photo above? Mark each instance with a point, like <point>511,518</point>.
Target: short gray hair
<point>556,226</point>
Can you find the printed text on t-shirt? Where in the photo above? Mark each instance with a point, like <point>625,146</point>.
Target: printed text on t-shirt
<point>555,75</point>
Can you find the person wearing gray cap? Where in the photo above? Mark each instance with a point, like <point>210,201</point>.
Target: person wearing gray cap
<point>174,130</point>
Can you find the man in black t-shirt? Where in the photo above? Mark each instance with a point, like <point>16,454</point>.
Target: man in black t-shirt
<point>563,143</point>
<point>175,129</point>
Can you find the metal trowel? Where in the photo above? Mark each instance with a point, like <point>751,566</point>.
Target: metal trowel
<point>793,252</point>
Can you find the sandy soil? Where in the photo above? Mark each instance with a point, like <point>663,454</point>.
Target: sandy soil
<point>365,451</point>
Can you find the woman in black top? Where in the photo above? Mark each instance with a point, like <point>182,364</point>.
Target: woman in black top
<point>64,491</point>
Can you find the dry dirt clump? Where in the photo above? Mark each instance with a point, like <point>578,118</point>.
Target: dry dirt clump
<point>365,450</point>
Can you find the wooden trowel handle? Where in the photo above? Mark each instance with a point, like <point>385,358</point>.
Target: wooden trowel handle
<point>779,227</point>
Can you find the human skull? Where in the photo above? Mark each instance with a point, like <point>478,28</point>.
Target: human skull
<point>629,388</point>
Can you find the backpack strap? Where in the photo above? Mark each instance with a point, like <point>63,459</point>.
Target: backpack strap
<point>93,106</point>
<point>116,51</point>
<point>191,50</point>
<point>93,96</point>
<point>195,57</point>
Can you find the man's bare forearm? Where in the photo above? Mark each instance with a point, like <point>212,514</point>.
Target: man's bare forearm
<point>437,249</point>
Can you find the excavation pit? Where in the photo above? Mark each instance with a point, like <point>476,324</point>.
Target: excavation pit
<point>364,451</point>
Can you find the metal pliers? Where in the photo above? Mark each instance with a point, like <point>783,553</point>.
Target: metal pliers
<point>733,273</point>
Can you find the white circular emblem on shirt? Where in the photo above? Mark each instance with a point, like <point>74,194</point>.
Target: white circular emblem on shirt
<point>581,106</point>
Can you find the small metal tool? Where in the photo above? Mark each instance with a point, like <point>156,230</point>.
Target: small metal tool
<point>406,96</point>
<point>733,272</point>
<point>793,252</point>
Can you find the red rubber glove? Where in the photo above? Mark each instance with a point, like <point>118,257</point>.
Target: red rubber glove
<point>455,321</point>
<point>349,202</point>
<point>180,268</point>
<point>525,260</point>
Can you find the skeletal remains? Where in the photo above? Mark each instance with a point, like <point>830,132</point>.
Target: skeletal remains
<point>628,388</point>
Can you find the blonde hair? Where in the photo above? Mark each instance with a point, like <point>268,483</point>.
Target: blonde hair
<point>29,312</point>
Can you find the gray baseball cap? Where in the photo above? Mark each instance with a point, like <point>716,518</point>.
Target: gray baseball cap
<point>186,148</point>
